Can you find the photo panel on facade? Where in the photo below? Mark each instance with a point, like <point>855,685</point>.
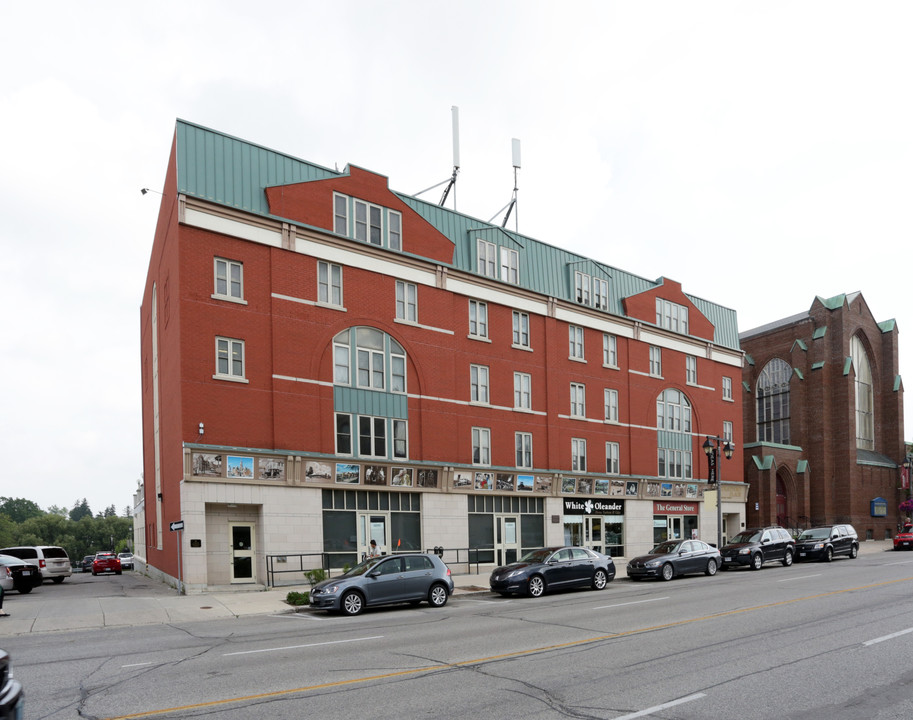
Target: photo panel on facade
<point>271,469</point>
<point>666,490</point>
<point>543,484</point>
<point>652,489</point>
<point>568,485</point>
<point>462,480</point>
<point>525,483</point>
<point>348,473</point>
<point>484,481</point>
<point>239,466</point>
<point>585,486</point>
<point>426,478</point>
<point>375,475</point>
<point>618,488</point>
<point>207,465</point>
<point>631,488</point>
<point>318,471</point>
<point>401,477</point>
<point>505,482</point>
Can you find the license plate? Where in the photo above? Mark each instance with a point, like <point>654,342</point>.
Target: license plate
<point>727,559</point>
<point>26,572</point>
<point>801,554</point>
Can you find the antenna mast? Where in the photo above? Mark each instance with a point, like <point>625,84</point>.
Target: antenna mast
<point>455,117</point>
<point>515,147</point>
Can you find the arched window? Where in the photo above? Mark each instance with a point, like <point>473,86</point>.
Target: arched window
<point>379,361</point>
<point>673,426</point>
<point>865,403</point>
<point>773,402</point>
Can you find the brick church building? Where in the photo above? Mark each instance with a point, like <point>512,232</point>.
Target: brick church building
<point>326,361</point>
<point>823,419</point>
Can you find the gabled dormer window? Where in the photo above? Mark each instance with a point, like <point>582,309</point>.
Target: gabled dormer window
<point>510,266</point>
<point>366,222</point>
<point>672,316</point>
<point>582,287</point>
<point>486,262</point>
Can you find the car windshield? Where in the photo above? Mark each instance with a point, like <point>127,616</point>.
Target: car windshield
<point>670,546</point>
<point>537,556</point>
<point>10,560</point>
<point>749,536</point>
<point>363,567</point>
<point>816,534</point>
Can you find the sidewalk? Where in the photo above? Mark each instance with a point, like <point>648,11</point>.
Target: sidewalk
<point>151,603</point>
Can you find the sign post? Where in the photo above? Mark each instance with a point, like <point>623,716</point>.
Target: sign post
<point>178,526</point>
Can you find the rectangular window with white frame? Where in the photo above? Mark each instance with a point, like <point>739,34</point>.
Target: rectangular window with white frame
<point>229,279</point>
<point>578,400</point>
<point>371,372</point>
<point>727,430</point>
<point>478,319</point>
<point>329,283</point>
<point>575,342</point>
<point>366,222</point>
<point>691,369</point>
<point>406,301</point>
<point>672,316</point>
<point>341,215</point>
<point>520,329</point>
<point>582,288</point>
<point>343,434</point>
<point>727,388</point>
<point>600,294</point>
<point>400,439</point>
<point>609,350</point>
<point>656,361</point>
<point>510,266</point>
<point>478,384</point>
<point>372,436</point>
<point>486,258</point>
<point>395,230</point>
<point>229,359</point>
<point>611,405</point>
<point>611,458</point>
<point>481,446</point>
<point>524,449</point>
<point>578,455</point>
<point>522,391</point>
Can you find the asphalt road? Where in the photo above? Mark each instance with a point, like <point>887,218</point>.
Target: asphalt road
<point>812,641</point>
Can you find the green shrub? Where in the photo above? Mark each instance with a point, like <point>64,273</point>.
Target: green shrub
<point>315,576</point>
<point>298,598</point>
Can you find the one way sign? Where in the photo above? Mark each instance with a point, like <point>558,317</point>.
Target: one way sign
<point>177,525</point>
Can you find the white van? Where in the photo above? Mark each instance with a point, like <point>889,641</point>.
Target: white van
<point>53,561</point>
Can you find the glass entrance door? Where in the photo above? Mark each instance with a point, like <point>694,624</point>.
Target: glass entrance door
<point>593,532</point>
<point>373,526</point>
<point>507,539</point>
<point>675,527</point>
<point>242,552</point>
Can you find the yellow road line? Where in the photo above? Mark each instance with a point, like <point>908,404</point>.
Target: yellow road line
<point>504,656</point>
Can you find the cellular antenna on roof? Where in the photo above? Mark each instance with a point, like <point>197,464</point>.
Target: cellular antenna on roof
<point>451,183</point>
<point>515,147</point>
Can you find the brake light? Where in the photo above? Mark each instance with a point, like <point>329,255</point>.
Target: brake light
<point>448,572</point>
<point>42,563</point>
<point>9,573</point>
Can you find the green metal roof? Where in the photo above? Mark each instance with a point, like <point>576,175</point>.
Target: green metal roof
<point>232,172</point>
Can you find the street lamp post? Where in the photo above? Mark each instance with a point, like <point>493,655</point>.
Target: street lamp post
<point>712,446</point>
<point>908,475</point>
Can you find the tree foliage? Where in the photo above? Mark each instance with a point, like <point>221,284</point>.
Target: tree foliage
<point>80,510</point>
<point>19,509</point>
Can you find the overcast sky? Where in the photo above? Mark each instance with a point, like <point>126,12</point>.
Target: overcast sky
<point>759,153</point>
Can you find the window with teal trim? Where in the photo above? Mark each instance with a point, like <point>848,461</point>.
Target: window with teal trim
<point>379,360</point>
<point>773,402</point>
<point>673,419</point>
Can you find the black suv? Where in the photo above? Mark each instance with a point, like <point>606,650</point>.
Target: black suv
<point>822,543</point>
<point>756,546</point>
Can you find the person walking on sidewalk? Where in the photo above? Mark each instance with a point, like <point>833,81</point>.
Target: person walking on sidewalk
<point>3,613</point>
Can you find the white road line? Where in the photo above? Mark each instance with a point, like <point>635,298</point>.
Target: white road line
<point>137,664</point>
<point>888,637</point>
<point>296,647</point>
<point>637,602</point>
<point>901,562</point>
<point>801,577</point>
<point>299,616</point>
<point>664,706</point>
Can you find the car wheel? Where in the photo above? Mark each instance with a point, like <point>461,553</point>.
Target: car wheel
<point>828,554</point>
<point>757,561</point>
<point>437,596</point>
<point>600,579</point>
<point>58,580</point>
<point>711,567</point>
<point>854,551</point>
<point>668,572</point>
<point>94,574</point>
<point>24,588</point>
<point>787,559</point>
<point>118,572</point>
<point>352,603</point>
<point>536,586</point>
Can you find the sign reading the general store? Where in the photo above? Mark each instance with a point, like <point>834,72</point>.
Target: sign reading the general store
<point>593,507</point>
<point>674,508</point>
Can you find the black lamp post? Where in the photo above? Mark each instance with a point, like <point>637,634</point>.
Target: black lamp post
<point>712,446</point>
<point>908,469</point>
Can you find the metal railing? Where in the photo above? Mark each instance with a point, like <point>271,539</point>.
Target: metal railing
<point>295,564</point>
<point>464,556</point>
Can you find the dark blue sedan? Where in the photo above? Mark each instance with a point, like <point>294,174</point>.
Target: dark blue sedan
<point>552,568</point>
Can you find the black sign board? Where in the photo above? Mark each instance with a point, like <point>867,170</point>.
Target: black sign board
<point>592,506</point>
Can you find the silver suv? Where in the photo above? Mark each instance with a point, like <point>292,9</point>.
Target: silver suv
<point>53,561</point>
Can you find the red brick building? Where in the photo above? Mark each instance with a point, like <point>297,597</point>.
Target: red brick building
<point>824,419</point>
<point>326,361</point>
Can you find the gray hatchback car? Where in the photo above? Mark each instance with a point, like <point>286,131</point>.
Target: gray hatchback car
<point>410,577</point>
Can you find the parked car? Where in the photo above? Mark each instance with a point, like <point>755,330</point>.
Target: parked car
<point>86,564</point>
<point>552,568</point>
<point>53,561</point>
<point>904,539</point>
<point>12,697</point>
<point>823,543</point>
<point>409,577</point>
<point>106,562</point>
<point>16,574</point>
<point>756,546</point>
<point>126,560</point>
<point>675,557</point>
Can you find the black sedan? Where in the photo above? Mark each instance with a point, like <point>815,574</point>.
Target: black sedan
<point>676,557</point>
<point>16,574</point>
<point>552,568</point>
